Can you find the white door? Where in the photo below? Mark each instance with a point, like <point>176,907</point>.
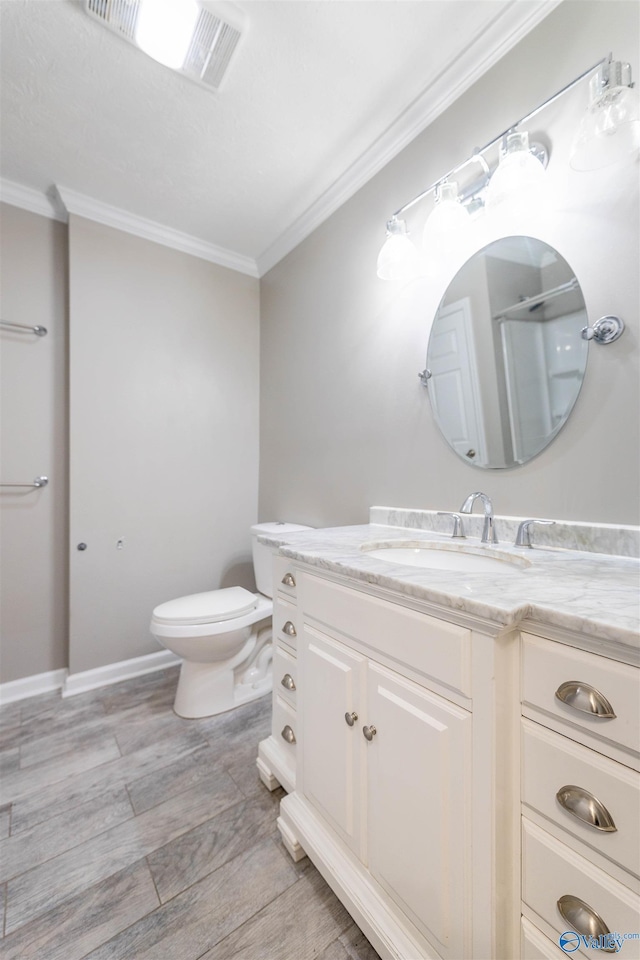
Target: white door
<point>332,684</point>
<point>419,796</point>
<point>453,387</point>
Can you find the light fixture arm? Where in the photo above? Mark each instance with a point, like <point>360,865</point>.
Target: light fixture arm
<point>478,154</point>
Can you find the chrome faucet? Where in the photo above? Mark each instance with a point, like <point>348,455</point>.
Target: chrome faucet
<point>489,530</point>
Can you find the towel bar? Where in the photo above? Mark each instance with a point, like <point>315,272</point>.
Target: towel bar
<point>38,482</point>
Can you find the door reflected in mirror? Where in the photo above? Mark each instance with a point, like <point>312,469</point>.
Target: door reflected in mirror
<point>506,353</point>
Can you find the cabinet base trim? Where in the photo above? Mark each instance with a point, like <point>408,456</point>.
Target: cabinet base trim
<point>273,767</point>
<point>267,777</point>
<point>294,849</point>
<point>377,918</point>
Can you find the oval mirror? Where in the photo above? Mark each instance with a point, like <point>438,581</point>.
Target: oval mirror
<point>506,356</point>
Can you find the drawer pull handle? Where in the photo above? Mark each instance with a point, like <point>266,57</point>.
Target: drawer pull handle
<point>585,807</point>
<point>289,629</point>
<point>583,919</point>
<point>369,732</point>
<point>288,734</point>
<point>288,682</point>
<point>584,697</point>
<point>289,580</point>
<point>350,718</point>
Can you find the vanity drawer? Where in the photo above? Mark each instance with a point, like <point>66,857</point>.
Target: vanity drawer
<point>590,681</point>
<point>285,673</point>
<point>551,762</point>
<point>535,946</point>
<point>284,578</point>
<point>552,870</point>
<point>434,648</point>
<point>284,727</point>
<point>285,629</point>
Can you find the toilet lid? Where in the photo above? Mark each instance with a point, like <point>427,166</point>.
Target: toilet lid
<point>211,607</point>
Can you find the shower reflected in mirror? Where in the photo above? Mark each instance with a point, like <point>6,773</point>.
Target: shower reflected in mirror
<point>506,355</point>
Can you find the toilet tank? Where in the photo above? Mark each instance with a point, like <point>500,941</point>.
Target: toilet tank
<point>262,555</point>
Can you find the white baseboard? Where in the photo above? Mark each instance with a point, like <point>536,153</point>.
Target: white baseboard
<point>115,672</point>
<point>32,686</point>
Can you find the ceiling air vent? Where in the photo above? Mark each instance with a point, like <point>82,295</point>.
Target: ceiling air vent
<point>212,43</point>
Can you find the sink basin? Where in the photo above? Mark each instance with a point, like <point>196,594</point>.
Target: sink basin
<point>436,556</point>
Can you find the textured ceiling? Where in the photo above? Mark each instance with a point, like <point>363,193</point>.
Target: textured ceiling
<point>312,89</point>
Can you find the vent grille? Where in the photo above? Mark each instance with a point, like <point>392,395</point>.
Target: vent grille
<point>118,15</point>
<point>209,55</point>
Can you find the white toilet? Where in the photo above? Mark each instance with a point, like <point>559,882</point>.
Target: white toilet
<point>223,637</point>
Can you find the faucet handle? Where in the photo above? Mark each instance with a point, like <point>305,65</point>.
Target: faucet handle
<point>458,529</point>
<point>523,536</point>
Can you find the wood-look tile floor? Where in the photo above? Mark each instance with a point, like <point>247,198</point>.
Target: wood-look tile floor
<point>128,833</point>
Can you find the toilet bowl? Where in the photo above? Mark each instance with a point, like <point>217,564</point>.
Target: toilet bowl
<point>223,637</point>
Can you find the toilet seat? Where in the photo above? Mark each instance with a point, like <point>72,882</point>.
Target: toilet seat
<point>213,606</point>
<point>180,629</point>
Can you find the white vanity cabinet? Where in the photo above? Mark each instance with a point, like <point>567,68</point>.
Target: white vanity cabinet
<point>580,798</point>
<point>386,763</point>
<point>384,798</point>
<point>466,780</point>
<point>419,806</point>
<point>277,755</point>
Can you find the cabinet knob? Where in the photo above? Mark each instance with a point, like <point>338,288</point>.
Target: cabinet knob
<point>289,629</point>
<point>585,807</point>
<point>586,699</point>
<point>583,919</point>
<point>288,734</point>
<point>288,682</point>
<point>350,718</point>
<point>289,580</point>
<point>369,732</point>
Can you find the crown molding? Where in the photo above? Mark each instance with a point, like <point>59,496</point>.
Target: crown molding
<point>83,206</point>
<point>59,202</point>
<point>17,195</point>
<point>498,38</point>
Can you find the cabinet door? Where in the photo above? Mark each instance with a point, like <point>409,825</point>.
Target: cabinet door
<point>332,678</point>
<point>419,795</point>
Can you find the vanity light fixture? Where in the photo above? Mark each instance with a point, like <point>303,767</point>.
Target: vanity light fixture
<point>610,130</point>
<point>610,127</point>
<point>445,221</point>
<point>398,260</point>
<point>520,172</point>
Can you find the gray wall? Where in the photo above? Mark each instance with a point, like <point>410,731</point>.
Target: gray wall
<point>164,386</point>
<point>164,413</point>
<point>33,524</point>
<point>345,422</point>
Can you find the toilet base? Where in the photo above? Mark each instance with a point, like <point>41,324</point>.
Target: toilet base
<point>206,689</point>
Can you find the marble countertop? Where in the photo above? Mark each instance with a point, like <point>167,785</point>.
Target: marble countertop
<point>595,594</point>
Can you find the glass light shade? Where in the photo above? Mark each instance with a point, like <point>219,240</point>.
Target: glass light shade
<point>398,259</point>
<point>164,29</point>
<point>446,222</point>
<point>610,129</point>
<point>519,177</point>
